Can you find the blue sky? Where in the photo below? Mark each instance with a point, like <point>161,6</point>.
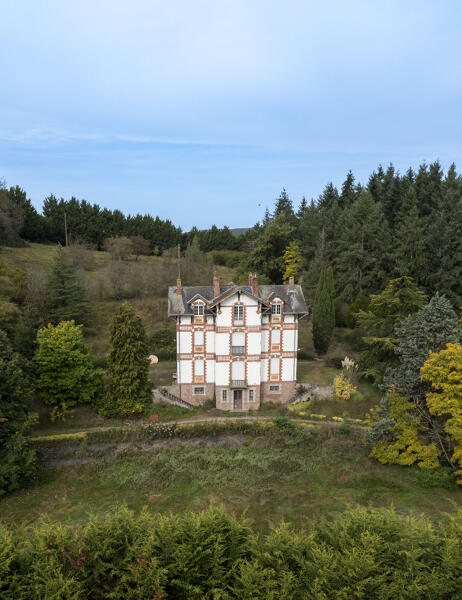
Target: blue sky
<point>203,111</point>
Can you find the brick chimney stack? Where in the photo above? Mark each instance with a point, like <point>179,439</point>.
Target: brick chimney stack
<point>178,286</point>
<point>291,284</point>
<point>216,284</point>
<point>254,284</point>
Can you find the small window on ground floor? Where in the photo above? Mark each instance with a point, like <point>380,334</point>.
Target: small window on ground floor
<point>224,395</point>
<point>198,391</point>
<point>251,396</point>
<point>274,388</point>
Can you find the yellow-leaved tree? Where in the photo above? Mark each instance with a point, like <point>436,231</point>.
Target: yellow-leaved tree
<point>292,261</point>
<point>405,447</point>
<point>444,371</point>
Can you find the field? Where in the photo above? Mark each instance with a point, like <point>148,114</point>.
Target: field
<point>270,478</point>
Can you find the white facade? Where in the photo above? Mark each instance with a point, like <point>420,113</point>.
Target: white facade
<point>237,344</point>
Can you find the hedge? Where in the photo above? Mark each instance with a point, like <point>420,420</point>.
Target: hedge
<point>362,554</point>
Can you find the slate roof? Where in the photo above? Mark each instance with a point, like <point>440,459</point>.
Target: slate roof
<point>294,301</point>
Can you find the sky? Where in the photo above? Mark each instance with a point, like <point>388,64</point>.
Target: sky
<point>202,111</point>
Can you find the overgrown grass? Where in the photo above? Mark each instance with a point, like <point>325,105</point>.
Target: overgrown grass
<point>270,477</point>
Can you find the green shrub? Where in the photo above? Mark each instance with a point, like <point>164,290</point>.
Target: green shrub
<point>335,362</point>
<point>443,477</point>
<point>361,553</point>
<point>302,355</point>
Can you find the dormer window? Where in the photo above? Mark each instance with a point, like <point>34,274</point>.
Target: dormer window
<point>238,314</point>
<point>276,309</point>
<point>198,310</point>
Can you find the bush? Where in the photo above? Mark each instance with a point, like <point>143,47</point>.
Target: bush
<point>443,477</point>
<point>335,361</point>
<point>302,355</point>
<point>343,387</point>
<point>361,553</point>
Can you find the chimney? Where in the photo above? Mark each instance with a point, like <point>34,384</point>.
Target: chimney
<point>250,278</point>
<point>178,287</point>
<point>291,284</point>
<point>216,284</point>
<point>255,285</point>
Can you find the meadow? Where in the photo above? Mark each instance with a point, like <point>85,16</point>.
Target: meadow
<point>269,478</point>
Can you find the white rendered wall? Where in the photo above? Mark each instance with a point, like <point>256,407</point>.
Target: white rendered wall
<point>224,316</point>
<point>222,343</point>
<point>184,342</point>
<point>210,371</point>
<point>288,366</point>
<point>184,371</point>
<point>222,373</point>
<point>252,317</point>
<point>210,342</point>
<point>253,373</point>
<point>264,369</point>
<point>254,342</point>
<point>288,340</point>
<point>264,340</point>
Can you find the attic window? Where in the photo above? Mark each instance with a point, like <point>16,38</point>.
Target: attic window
<point>198,310</point>
<point>276,308</point>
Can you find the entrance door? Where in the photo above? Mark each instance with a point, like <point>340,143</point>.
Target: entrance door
<point>237,400</point>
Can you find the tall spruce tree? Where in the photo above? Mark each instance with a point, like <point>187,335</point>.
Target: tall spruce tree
<point>363,249</point>
<point>128,386</point>
<point>323,312</point>
<point>65,298</point>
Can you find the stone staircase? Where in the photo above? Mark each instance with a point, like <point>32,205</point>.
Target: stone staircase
<point>166,396</point>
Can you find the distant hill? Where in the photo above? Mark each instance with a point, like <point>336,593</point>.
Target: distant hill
<point>239,231</point>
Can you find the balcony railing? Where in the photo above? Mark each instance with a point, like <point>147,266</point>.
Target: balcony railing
<point>238,383</point>
<point>238,350</point>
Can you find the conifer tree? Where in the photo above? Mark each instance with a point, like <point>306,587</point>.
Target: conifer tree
<point>17,458</point>
<point>323,312</point>
<point>25,334</point>
<point>363,249</point>
<point>409,254</point>
<point>128,386</point>
<point>65,297</point>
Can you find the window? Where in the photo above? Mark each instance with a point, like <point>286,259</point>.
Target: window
<point>276,308</point>
<point>238,343</point>
<point>224,395</point>
<point>198,391</point>
<point>274,388</point>
<point>251,395</point>
<point>198,368</point>
<point>275,366</point>
<point>199,338</point>
<point>238,313</point>
<point>276,337</point>
<point>198,310</point>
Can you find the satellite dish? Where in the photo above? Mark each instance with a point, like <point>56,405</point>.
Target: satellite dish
<point>153,359</point>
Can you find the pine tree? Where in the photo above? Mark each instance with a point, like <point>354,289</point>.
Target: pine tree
<point>128,385</point>
<point>363,249</point>
<point>315,268</point>
<point>323,313</point>
<point>450,274</point>
<point>65,298</point>
<point>25,335</point>
<point>409,254</point>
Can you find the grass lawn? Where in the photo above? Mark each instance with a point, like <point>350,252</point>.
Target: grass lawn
<point>270,478</point>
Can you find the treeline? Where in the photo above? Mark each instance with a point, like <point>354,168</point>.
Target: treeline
<point>90,224</point>
<point>362,553</point>
<point>394,225</point>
